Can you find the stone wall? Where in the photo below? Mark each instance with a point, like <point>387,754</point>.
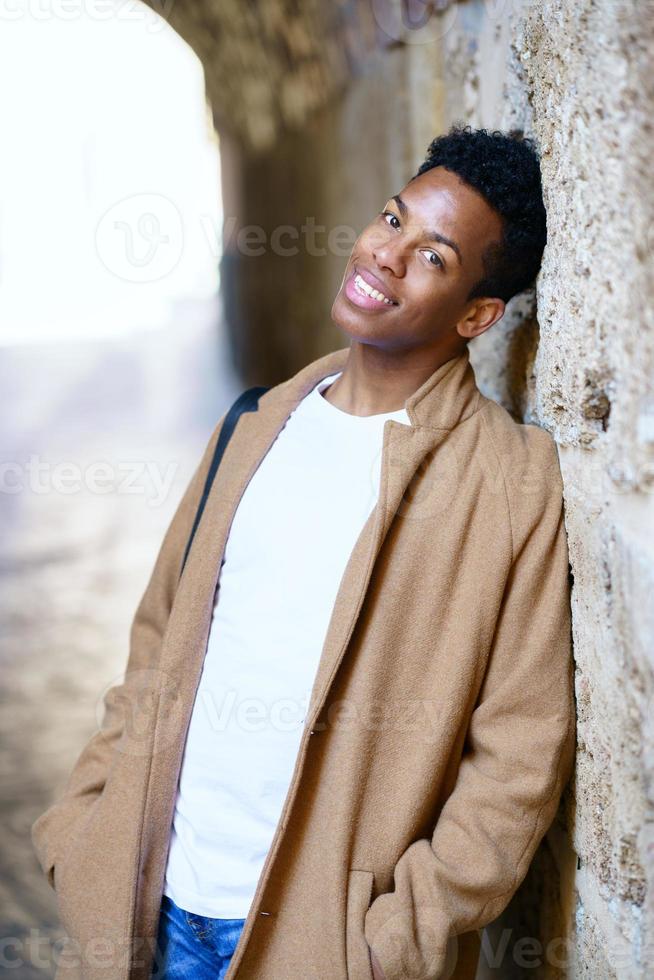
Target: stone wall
<point>587,70</point>
<point>577,357</point>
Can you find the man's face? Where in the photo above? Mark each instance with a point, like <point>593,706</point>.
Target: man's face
<point>424,254</point>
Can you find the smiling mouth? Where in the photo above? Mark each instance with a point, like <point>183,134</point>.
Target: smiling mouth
<point>365,289</point>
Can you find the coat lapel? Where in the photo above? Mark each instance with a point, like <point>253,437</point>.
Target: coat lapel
<point>446,398</point>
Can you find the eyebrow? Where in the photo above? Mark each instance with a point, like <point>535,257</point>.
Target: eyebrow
<point>434,236</point>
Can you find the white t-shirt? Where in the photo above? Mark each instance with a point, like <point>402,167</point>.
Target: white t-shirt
<point>318,483</point>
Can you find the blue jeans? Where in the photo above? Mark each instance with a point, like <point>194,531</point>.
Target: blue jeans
<point>190,945</point>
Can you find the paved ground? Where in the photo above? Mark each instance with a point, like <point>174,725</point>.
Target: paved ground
<point>74,561</point>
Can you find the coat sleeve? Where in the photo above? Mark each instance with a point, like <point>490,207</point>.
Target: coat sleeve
<point>518,753</point>
<point>55,829</point>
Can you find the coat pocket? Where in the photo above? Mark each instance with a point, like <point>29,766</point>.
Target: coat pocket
<point>74,833</point>
<point>359,892</point>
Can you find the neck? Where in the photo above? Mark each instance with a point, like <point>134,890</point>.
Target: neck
<point>375,381</point>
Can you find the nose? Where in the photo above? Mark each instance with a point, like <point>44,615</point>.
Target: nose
<point>389,254</point>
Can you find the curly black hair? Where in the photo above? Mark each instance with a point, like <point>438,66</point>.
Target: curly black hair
<point>505,169</point>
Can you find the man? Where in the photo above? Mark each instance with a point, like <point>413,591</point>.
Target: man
<point>360,693</point>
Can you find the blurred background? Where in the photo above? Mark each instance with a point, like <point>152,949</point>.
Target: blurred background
<point>180,188</point>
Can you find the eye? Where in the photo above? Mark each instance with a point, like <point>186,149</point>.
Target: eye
<point>438,260</point>
<point>394,217</point>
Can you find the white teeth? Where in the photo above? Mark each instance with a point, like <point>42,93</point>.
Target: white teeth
<point>369,291</point>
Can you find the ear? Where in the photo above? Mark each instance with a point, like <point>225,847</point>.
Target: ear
<point>480,317</point>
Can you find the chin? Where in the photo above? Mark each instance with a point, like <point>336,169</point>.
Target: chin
<point>358,327</point>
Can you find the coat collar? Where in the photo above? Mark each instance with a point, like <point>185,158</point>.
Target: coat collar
<point>448,396</point>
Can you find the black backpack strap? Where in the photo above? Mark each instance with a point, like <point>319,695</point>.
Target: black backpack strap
<point>248,401</point>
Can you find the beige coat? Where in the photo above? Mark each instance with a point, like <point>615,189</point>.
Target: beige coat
<point>441,730</point>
